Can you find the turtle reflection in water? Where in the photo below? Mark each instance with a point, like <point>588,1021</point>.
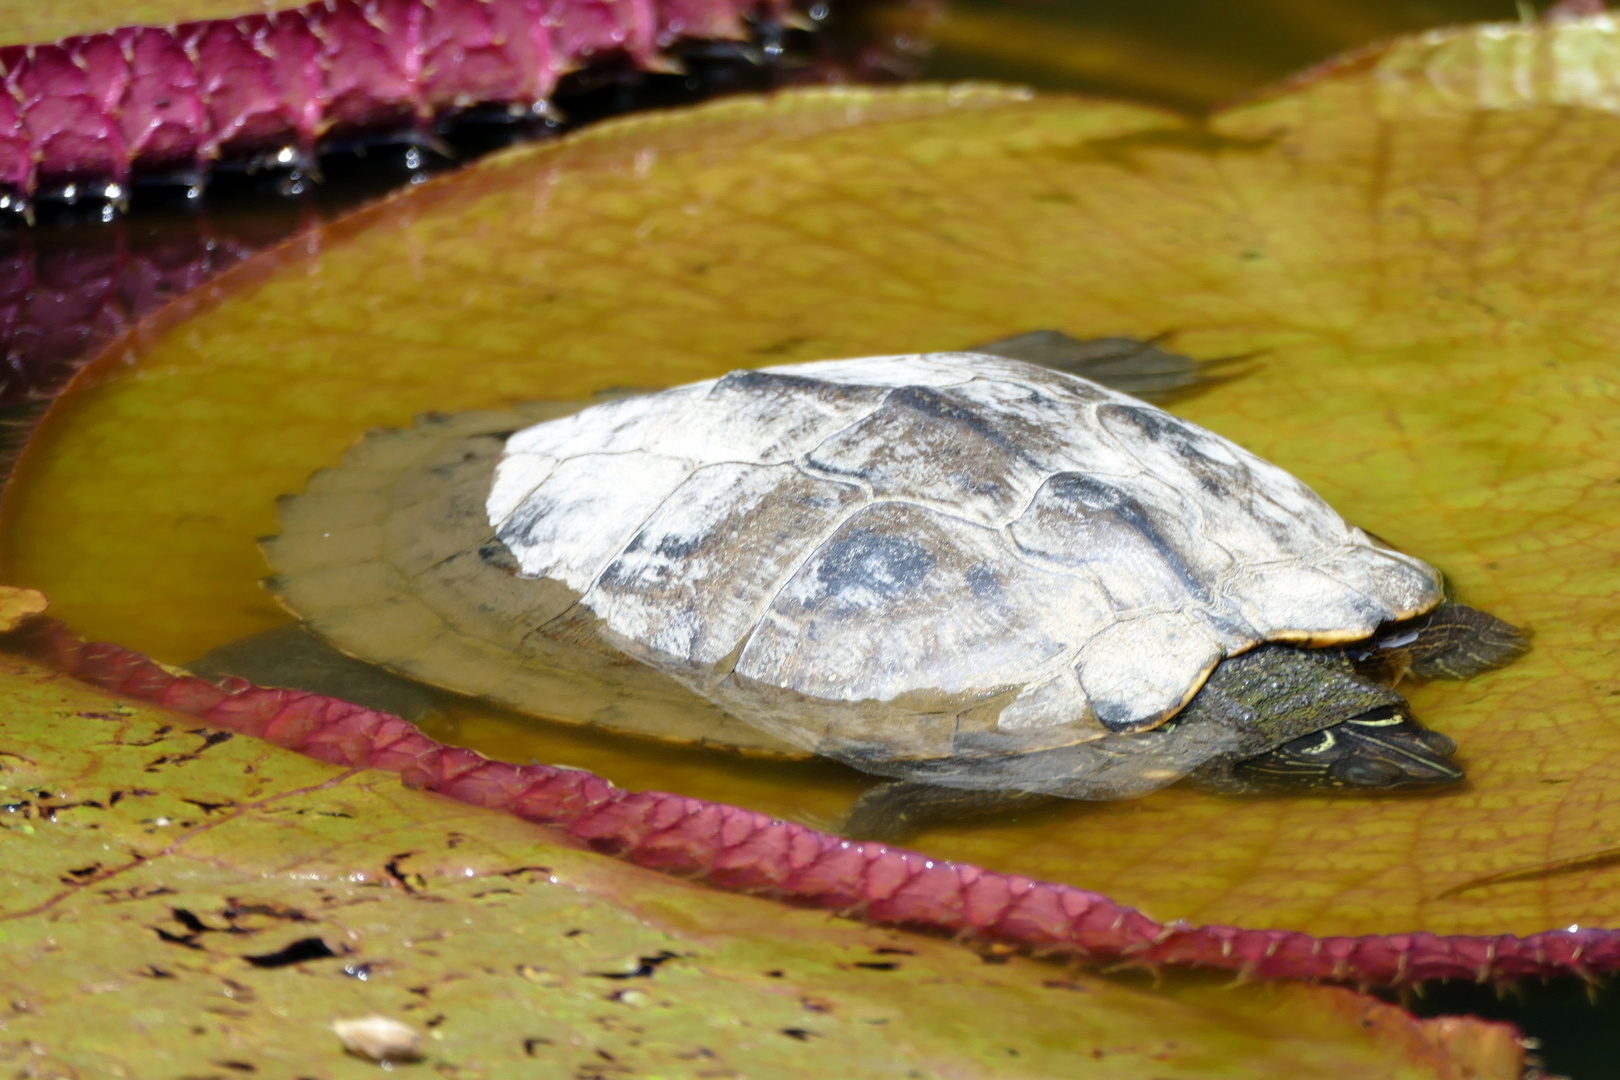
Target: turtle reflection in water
<point>984,578</point>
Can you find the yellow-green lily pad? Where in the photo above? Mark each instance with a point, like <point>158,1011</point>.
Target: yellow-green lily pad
<point>1415,248</point>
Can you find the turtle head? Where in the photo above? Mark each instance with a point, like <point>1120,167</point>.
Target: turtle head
<point>1383,749</point>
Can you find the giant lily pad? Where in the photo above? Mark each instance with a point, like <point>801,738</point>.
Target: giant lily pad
<point>1414,248</point>
<point>182,903</point>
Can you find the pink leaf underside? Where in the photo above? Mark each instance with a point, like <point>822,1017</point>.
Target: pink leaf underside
<point>104,107</point>
<point>739,849</point>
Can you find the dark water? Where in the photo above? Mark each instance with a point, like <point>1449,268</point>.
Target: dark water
<point>73,282</point>
<point>1576,1024</point>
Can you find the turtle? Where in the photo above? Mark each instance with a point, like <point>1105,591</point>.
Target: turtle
<point>982,576</point>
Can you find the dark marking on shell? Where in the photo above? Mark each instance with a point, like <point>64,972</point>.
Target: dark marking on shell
<point>1216,477</point>
<point>983,582</point>
<point>668,545</point>
<point>933,444</point>
<point>935,405</point>
<point>679,547</point>
<point>870,561</point>
<point>771,384</point>
<point>518,529</point>
<point>1100,498</point>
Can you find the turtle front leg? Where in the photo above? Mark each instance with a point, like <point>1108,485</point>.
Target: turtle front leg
<point>893,811</point>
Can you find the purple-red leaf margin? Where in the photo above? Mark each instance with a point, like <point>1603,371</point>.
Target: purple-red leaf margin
<point>743,850</point>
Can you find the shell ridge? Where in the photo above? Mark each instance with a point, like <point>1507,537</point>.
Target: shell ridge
<point>985,444</point>
<point>525,554</point>
<point>856,368</point>
<point>557,462</point>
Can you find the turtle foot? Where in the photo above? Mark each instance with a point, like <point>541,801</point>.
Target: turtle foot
<point>893,811</point>
<point>1139,368</point>
<point>295,659</point>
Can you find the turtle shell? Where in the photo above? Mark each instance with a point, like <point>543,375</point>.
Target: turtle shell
<point>891,561</point>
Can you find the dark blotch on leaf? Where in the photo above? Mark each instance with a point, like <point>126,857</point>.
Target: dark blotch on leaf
<point>188,940</point>
<point>409,881</point>
<point>310,948</point>
<point>189,921</point>
<point>649,964</point>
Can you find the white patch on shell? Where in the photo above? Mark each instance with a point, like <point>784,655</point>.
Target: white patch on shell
<point>1046,703</point>
<point>1135,671</point>
<point>1011,520</point>
<point>588,506</point>
<point>519,475</point>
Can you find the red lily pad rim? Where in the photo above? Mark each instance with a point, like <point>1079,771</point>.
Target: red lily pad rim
<point>746,851</point>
